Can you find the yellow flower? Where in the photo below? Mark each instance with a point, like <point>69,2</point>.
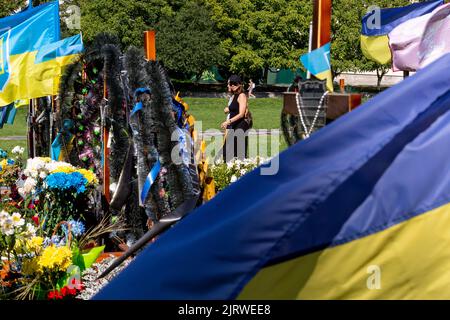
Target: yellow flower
<point>35,244</point>
<point>64,169</point>
<point>30,266</point>
<point>55,258</point>
<point>3,164</point>
<point>46,159</point>
<point>89,175</point>
<point>19,246</point>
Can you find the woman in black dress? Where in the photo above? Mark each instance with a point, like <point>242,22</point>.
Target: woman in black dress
<point>236,141</point>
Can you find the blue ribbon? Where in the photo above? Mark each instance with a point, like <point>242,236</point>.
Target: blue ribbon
<point>11,114</point>
<point>138,106</point>
<point>149,180</point>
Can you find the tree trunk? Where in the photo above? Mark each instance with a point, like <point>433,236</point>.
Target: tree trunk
<point>265,74</point>
<point>380,75</point>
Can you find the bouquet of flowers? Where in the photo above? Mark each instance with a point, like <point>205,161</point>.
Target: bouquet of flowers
<point>226,173</point>
<point>46,236</point>
<point>54,191</point>
<point>34,266</point>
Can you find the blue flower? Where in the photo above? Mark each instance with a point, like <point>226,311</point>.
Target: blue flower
<point>66,181</point>
<point>77,228</point>
<point>55,240</point>
<point>10,162</point>
<point>3,153</point>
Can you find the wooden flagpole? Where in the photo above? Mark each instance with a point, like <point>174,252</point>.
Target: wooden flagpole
<point>150,44</point>
<point>321,23</point>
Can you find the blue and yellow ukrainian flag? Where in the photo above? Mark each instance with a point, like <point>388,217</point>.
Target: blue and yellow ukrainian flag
<point>361,210</point>
<point>318,63</point>
<point>32,54</point>
<point>376,27</point>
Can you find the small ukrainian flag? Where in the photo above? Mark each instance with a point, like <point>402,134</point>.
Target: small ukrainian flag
<point>318,63</point>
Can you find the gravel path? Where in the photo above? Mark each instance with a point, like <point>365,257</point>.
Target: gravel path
<point>92,286</point>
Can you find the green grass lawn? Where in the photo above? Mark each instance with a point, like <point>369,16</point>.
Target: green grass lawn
<point>265,112</point>
<point>19,128</point>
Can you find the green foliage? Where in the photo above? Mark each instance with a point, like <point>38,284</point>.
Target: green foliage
<point>187,41</point>
<point>226,173</point>
<point>261,34</point>
<point>8,7</point>
<point>124,18</point>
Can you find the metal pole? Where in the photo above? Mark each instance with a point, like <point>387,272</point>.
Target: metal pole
<point>308,74</point>
<point>30,138</point>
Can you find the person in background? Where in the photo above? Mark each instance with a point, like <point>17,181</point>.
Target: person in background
<point>294,85</point>
<point>251,87</point>
<point>236,139</point>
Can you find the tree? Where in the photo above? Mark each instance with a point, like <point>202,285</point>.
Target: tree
<point>261,34</point>
<point>346,54</point>
<point>127,19</point>
<point>187,41</point>
<point>9,7</point>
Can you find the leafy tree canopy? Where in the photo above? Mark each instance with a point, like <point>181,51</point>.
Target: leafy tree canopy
<point>187,41</point>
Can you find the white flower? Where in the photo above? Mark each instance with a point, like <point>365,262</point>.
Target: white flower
<point>30,231</point>
<point>229,165</point>
<point>42,175</point>
<point>53,165</point>
<point>34,167</point>
<point>3,215</point>
<point>21,192</point>
<point>17,219</point>
<point>17,150</point>
<point>233,178</point>
<point>29,185</point>
<point>243,171</point>
<point>7,227</point>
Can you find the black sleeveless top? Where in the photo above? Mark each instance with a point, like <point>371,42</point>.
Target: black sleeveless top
<point>233,106</point>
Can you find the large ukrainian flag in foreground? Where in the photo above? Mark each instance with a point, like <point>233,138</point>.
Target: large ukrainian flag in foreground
<point>361,210</point>
<point>376,27</point>
<point>31,55</point>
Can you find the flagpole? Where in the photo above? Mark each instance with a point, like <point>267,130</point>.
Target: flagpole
<point>308,74</point>
<point>30,138</point>
<point>50,135</point>
<point>106,171</point>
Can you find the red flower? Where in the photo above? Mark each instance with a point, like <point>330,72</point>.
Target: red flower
<point>76,284</point>
<point>31,206</point>
<point>72,292</point>
<point>54,295</point>
<point>35,219</point>
<point>64,291</point>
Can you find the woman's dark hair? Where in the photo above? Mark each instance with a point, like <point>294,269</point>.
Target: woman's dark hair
<point>235,80</point>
